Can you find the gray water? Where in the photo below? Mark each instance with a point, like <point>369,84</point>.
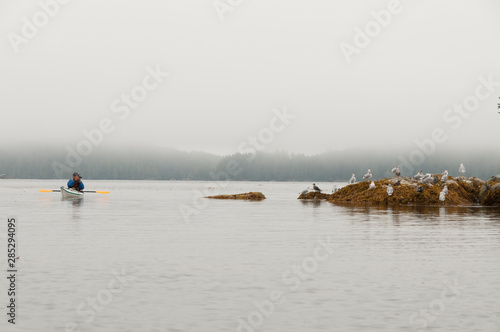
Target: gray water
<point>377,269</point>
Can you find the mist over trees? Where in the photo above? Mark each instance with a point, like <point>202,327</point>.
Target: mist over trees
<point>170,164</point>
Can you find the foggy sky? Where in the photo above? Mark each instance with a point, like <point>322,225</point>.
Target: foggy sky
<point>227,76</point>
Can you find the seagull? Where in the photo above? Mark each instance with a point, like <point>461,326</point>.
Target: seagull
<point>445,189</point>
<point>334,189</point>
<point>419,175</point>
<point>353,179</point>
<point>427,175</point>
<point>428,179</point>
<point>444,176</point>
<point>389,190</point>
<point>396,171</point>
<point>305,191</point>
<point>315,187</point>
<point>461,169</point>
<point>420,189</point>
<point>442,196</point>
<point>372,185</point>
<point>368,175</point>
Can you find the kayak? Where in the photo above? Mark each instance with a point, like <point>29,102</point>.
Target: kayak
<point>71,193</point>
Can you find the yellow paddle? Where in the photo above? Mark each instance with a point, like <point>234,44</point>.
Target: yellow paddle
<point>58,190</point>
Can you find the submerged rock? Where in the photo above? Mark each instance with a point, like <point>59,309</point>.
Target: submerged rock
<point>251,196</point>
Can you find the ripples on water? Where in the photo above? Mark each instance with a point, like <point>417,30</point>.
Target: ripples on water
<point>390,269</point>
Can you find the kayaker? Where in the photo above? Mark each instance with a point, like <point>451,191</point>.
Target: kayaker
<point>76,183</point>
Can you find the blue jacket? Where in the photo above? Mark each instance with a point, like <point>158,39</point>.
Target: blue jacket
<point>71,184</point>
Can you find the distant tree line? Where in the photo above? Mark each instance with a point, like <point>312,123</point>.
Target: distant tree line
<point>170,164</point>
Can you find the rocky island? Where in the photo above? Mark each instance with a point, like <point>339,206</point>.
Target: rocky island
<point>407,191</point>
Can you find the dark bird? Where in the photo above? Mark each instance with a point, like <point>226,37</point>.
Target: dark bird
<point>420,189</point>
<point>315,187</point>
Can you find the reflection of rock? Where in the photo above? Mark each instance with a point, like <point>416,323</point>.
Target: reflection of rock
<point>461,191</point>
<point>251,196</point>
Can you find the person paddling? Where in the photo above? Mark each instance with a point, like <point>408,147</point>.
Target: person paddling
<point>76,183</point>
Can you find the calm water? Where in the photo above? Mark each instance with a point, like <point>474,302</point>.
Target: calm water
<point>377,269</point>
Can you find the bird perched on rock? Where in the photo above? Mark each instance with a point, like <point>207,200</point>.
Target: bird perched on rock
<point>372,185</point>
<point>445,189</point>
<point>315,187</point>
<point>444,176</point>
<point>461,169</point>
<point>334,189</point>
<point>397,183</point>
<point>429,179</point>
<point>368,175</point>
<point>390,190</point>
<point>353,179</point>
<point>305,191</point>
<point>419,175</point>
<point>396,171</point>
<point>442,196</point>
<point>420,189</point>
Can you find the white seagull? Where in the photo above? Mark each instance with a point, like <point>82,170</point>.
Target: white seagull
<point>305,191</point>
<point>428,179</point>
<point>461,169</point>
<point>444,176</point>
<point>372,185</point>
<point>427,175</point>
<point>442,196</point>
<point>419,175</point>
<point>353,179</point>
<point>445,189</point>
<point>390,190</point>
<point>368,175</point>
<point>334,189</point>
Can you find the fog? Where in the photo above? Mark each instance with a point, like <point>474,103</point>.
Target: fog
<point>231,71</point>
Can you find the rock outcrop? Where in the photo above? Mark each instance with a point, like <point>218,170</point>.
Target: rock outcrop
<point>406,191</point>
<point>251,196</point>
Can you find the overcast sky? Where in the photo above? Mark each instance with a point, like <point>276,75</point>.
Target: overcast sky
<point>226,76</point>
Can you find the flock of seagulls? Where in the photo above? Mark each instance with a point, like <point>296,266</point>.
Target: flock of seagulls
<point>420,177</point>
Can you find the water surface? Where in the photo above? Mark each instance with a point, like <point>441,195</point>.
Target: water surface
<point>189,264</point>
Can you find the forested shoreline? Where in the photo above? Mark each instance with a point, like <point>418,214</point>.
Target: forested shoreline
<point>170,164</point>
